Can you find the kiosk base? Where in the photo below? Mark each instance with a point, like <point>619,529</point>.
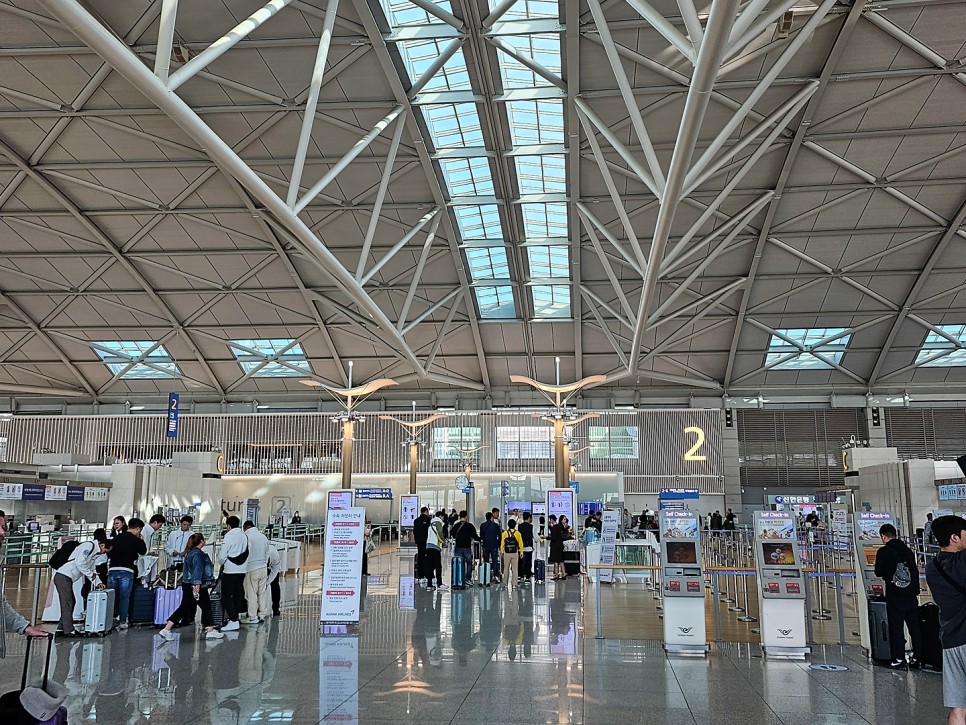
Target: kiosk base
<point>785,653</point>
<point>684,626</point>
<point>783,629</point>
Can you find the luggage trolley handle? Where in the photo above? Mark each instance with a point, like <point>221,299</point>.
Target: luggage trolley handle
<point>26,660</point>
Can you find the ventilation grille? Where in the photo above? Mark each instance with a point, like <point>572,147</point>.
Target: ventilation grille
<point>927,432</point>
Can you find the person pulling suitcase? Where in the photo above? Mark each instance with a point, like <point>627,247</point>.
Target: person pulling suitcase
<point>464,534</point>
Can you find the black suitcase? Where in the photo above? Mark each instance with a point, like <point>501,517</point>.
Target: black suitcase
<point>571,563</point>
<point>879,649</point>
<point>217,608</point>
<point>142,605</point>
<point>932,648</point>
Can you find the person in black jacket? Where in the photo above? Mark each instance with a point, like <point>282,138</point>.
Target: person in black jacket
<point>420,533</point>
<point>895,563</point>
<point>464,534</point>
<point>122,567</point>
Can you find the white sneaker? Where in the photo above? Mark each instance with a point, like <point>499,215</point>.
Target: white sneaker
<point>214,634</point>
<point>166,634</point>
<point>232,626</point>
<point>255,620</point>
<point>442,586</point>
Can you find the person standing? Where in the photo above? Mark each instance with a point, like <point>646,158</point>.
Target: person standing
<point>895,563</point>
<point>464,534</point>
<point>526,535</point>
<point>256,577</point>
<point>196,583</point>
<point>122,567</point>
<point>275,579</point>
<point>420,532</point>
<point>118,527</point>
<point>233,557</point>
<point>928,538</point>
<point>177,544</point>
<point>511,547</point>
<point>154,523</point>
<point>296,519</point>
<point>434,552</point>
<point>556,557</point>
<point>10,619</point>
<point>946,576</point>
<point>79,565</point>
<point>716,521</point>
<point>490,543</point>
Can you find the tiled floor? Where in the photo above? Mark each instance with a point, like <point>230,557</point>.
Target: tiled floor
<point>466,657</point>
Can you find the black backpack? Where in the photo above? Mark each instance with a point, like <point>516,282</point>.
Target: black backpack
<point>62,555</point>
<point>510,545</point>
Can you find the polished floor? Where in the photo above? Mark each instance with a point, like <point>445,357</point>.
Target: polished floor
<point>520,656</point>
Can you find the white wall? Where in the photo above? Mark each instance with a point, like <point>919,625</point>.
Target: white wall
<point>143,489</point>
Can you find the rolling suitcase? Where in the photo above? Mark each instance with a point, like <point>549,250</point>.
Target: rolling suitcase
<point>458,573</point>
<point>879,649</point>
<point>572,563</point>
<point>165,602</point>
<point>100,612</point>
<point>483,574</point>
<point>932,648</point>
<point>142,605</point>
<point>217,609</point>
<point>540,570</point>
<point>43,703</point>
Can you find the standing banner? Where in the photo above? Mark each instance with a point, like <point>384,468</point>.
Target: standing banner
<point>340,500</point>
<point>560,502</point>
<point>174,401</point>
<point>342,576</point>
<point>608,536</point>
<point>409,512</point>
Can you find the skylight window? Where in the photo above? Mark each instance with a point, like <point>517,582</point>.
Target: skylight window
<point>811,339</point>
<point>930,355</point>
<point>420,55</point>
<point>495,302</point>
<point>545,220</point>
<point>479,221</point>
<point>279,358</point>
<point>546,262</point>
<point>551,300</point>
<point>488,263</point>
<point>543,48</point>
<point>137,359</point>
<point>454,125</point>
<point>542,174</point>
<point>403,12</point>
<point>468,177</point>
<point>533,122</point>
<point>529,9</point>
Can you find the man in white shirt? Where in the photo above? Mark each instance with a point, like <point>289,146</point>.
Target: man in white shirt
<point>177,543</point>
<point>233,556</point>
<point>79,565</point>
<point>256,580</point>
<point>156,522</point>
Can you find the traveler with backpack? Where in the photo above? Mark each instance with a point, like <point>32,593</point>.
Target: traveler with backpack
<point>511,546</point>
<point>196,584</point>
<point>233,557</point>
<point>895,563</point>
<point>946,576</point>
<point>434,552</point>
<point>73,561</point>
<point>526,534</point>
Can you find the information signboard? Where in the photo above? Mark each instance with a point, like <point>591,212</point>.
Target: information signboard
<point>342,575</point>
<point>409,510</point>
<point>340,499</point>
<point>560,502</point>
<point>608,536</point>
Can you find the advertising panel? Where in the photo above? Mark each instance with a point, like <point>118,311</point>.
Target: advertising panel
<point>680,525</point>
<point>342,575</point>
<point>340,500</point>
<point>774,525</point>
<point>560,502</point>
<point>409,510</point>
<point>55,493</point>
<point>608,537</point>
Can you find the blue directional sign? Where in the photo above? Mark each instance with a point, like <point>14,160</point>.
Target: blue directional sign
<point>174,401</point>
<point>377,494</point>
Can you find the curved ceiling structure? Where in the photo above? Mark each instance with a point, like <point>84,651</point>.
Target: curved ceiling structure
<point>691,197</point>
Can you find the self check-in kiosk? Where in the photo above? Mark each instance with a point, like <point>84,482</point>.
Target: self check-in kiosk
<point>684,623</point>
<point>870,589</point>
<point>781,586</point>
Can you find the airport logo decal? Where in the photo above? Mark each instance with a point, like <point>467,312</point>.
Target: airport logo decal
<point>685,630</point>
<point>784,632</point>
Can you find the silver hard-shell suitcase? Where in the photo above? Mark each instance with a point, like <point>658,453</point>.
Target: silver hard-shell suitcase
<point>100,612</point>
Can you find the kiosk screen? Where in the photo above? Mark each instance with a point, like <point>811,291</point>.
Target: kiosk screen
<point>870,552</point>
<point>778,554</point>
<point>682,552</point>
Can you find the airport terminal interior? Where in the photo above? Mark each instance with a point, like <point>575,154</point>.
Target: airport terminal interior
<point>665,295</point>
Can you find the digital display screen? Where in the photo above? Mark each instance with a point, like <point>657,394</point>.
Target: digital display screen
<point>870,552</point>
<point>776,554</point>
<point>521,505</point>
<point>586,508</point>
<point>681,552</point>
<point>539,508</point>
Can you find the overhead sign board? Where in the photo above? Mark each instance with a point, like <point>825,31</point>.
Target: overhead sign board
<point>679,493</point>
<point>379,494</point>
<point>952,492</point>
<point>174,402</point>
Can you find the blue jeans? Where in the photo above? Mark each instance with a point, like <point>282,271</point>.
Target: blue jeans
<point>122,582</point>
<point>466,554</point>
<point>492,556</point>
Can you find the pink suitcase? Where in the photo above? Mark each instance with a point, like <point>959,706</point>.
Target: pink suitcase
<point>165,602</point>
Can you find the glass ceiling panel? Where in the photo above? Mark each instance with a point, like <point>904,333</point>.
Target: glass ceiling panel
<point>936,343</point>
<point>419,56</point>
<point>119,354</point>
<point>454,125</point>
<point>807,337</point>
<point>487,263</point>
<point>529,9</point>
<point>468,177</point>
<point>551,300</point>
<point>495,302</point>
<point>403,12</point>
<point>545,220</point>
<point>272,350</point>
<point>533,122</point>
<point>551,261</point>
<point>543,48</point>
<point>479,221</point>
<point>545,174</point>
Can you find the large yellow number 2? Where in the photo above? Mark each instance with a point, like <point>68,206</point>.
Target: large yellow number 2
<point>692,452</point>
